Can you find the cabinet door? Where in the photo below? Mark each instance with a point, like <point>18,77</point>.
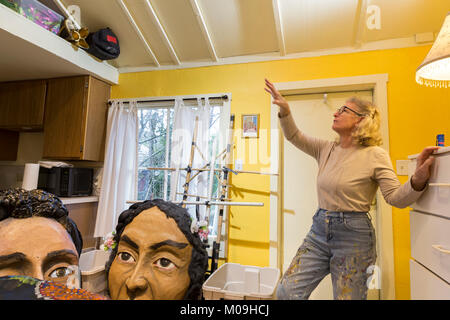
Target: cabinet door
<point>430,242</point>
<point>9,143</point>
<point>22,105</point>
<point>97,113</point>
<point>65,118</point>
<point>436,199</point>
<point>425,285</point>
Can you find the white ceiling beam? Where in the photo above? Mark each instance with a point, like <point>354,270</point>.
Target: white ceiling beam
<point>139,32</point>
<point>279,26</point>
<point>359,26</point>
<point>163,33</point>
<point>204,28</point>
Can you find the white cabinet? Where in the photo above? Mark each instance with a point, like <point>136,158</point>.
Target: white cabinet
<point>425,285</point>
<point>430,242</point>
<point>430,236</point>
<point>436,199</point>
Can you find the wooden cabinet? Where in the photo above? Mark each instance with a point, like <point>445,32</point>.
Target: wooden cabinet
<point>430,239</point>
<point>9,143</point>
<point>75,118</point>
<point>22,105</point>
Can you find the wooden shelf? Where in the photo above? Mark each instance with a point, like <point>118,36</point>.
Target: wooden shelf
<point>29,51</point>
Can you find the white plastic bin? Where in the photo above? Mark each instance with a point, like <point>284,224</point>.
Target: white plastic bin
<point>233,281</point>
<point>93,275</point>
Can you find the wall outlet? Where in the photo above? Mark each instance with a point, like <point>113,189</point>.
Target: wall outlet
<point>238,164</point>
<point>402,167</point>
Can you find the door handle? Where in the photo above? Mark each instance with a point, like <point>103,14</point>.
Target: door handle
<point>440,249</point>
<point>439,184</point>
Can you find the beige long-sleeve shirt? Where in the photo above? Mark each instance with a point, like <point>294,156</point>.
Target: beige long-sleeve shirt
<point>348,178</point>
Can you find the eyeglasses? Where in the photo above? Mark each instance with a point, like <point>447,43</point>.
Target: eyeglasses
<point>343,108</point>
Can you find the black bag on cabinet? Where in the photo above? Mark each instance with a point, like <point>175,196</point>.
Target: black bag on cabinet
<point>103,44</point>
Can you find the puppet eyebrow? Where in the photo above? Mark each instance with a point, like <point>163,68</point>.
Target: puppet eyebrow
<point>179,245</point>
<point>13,258</point>
<point>130,242</point>
<point>58,256</point>
<point>58,253</point>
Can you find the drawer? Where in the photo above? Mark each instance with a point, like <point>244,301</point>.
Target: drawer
<point>430,242</point>
<point>436,199</point>
<point>425,285</point>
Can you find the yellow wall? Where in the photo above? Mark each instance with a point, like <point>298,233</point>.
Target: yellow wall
<point>416,115</point>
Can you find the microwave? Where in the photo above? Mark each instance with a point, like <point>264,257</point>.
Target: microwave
<point>66,181</point>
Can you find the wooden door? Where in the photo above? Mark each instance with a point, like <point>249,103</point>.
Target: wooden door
<point>65,118</point>
<point>22,105</point>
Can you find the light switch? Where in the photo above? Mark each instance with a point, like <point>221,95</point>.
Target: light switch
<point>402,167</point>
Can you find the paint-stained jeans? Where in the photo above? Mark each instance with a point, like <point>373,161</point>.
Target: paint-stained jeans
<point>340,243</point>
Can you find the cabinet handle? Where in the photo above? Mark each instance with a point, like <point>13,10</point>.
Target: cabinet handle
<point>438,247</point>
<point>439,184</point>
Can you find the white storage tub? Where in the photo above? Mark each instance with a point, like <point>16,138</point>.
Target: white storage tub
<point>92,267</point>
<point>233,281</point>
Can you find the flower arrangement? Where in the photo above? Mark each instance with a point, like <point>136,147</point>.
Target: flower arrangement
<point>201,228</point>
<point>109,243</point>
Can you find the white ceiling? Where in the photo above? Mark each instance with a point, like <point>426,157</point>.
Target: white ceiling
<point>184,33</point>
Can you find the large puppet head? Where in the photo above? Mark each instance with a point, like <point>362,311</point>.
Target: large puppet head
<point>157,256</point>
<point>37,237</point>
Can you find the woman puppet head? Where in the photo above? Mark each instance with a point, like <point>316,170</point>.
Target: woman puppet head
<point>157,257</point>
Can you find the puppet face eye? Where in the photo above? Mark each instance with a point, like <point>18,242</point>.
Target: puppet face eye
<point>126,257</point>
<point>165,264</point>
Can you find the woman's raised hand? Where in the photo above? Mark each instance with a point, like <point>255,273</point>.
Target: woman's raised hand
<point>423,168</point>
<point>278,99</point>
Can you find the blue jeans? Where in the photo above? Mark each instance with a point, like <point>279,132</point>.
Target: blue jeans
<point>340,243</point>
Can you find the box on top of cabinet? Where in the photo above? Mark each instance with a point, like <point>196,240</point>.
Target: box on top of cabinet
<point>39,14</point>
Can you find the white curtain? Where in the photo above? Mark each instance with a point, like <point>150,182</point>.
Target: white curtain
<point>119,171</point>
<point>182,136</point>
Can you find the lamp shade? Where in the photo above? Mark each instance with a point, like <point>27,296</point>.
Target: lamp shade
<point>435,69</point>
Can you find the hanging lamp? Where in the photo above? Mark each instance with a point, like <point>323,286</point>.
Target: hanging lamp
<point>435,69</point>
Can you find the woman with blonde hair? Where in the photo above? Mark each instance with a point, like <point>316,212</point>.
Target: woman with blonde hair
<point>341,240</point>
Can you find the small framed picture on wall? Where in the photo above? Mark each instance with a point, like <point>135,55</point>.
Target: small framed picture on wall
<point>250,125</point>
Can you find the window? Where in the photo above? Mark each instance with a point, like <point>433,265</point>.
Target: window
<point>155,123</point>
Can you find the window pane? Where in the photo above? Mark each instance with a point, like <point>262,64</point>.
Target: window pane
<point>214,128</point>
<point>151,152</point>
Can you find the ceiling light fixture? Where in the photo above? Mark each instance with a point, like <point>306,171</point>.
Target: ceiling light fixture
<point>435,69</point>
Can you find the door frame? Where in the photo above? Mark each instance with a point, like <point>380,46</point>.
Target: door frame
<point>385,248</point>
